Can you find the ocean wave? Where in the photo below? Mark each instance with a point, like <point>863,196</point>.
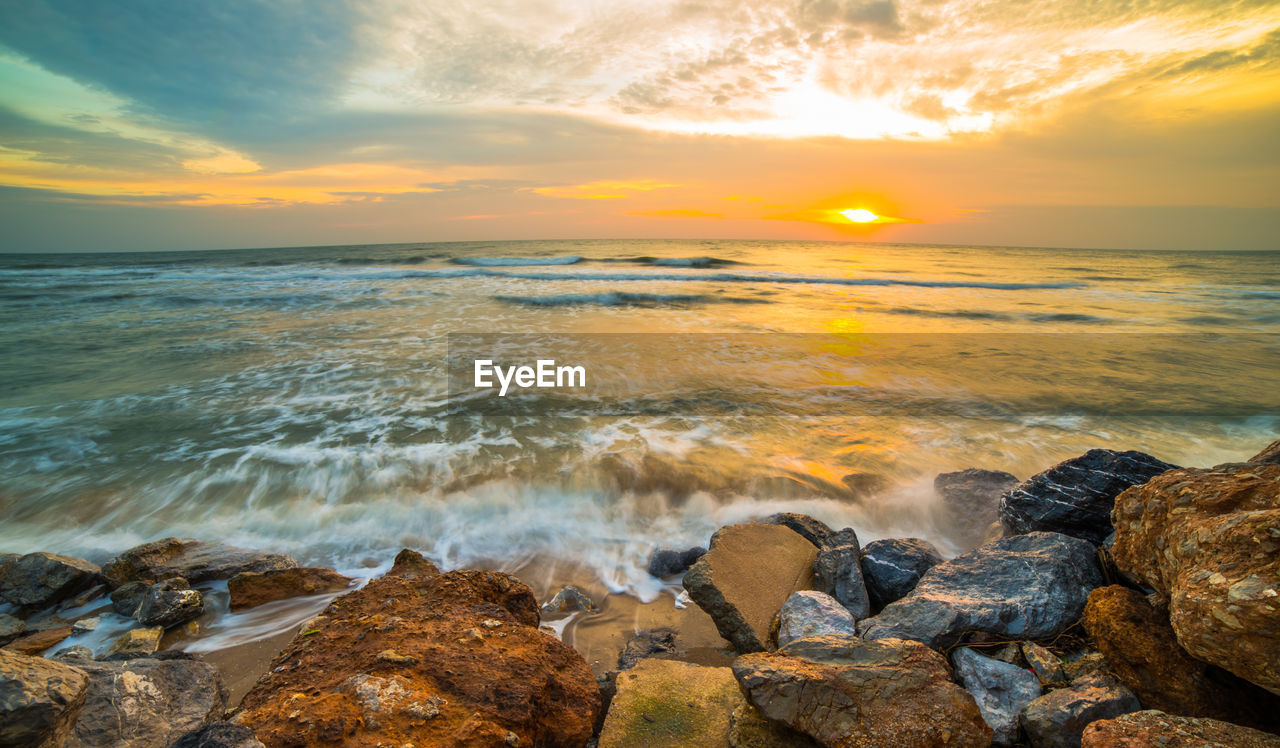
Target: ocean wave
<point>618,298</point>
<point>683,262</point>
<point>516,261</point>
<point>782,278</point>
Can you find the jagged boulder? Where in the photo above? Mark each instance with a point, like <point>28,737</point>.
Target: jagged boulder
<point>838,572</point>
<point>745,578</point>
<point>446,659</point>
<point>970,501</point>
<point>1270,454</point>
<point>1025,587</point>
<point>891,568</point>
<point>165,604</point>
<point>1000,689</point>
<point>252,588</point>
<point>1154,729</point>
<point>1057,719</point>
<point>146,702</point>
<point>813,530</point>
<point>666,562</point>
<point>1208,542</point>
<point>1075,496</point>
<point>671,704</point>
<point>845,691</point>
<point>811,613</point>
<point>40,579</point>
<point>219,735</point>
<point>39,699</point>
<point>1142,650</point>
<point>196,561</point>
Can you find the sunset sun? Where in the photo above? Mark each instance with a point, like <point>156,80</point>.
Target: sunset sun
<point>859,215</point>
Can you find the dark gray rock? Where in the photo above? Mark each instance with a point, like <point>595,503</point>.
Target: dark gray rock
<point>971,501</point>
<point>166,603</point>
<point>1058,719</point>
<point>146,702</point>
<point>1001,690</point>
<point>39,699</point>
<point>811,613</point>
<point>814,531</point>
<point>10,628</point>
<point>219,735</point>
<point>196,561</point>
<point>665,562</point>
<point>73,654</point>
<point>1045,664</point>
<point>1075,497</point>
<point>567,601</point>
<point>659,642</point>
<point>41,579</point>
<point>892,567</point>
<point>838,572</point>
<point>1026,587</point>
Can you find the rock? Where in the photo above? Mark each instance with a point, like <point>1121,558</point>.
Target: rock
<point>1089,663</point>
<point>660,643</point>
<point>845,691</point>
<point>1208,541</point>
<point>39,700</point>
<point>891,568</point>
<point>1001,691</point>
<point>1144,653</point>
<point>810,613</point>
<point>666,562</point>
<point>838,572</point>
<point>39,641</point>
<point>1045,664</point>
<point>41,579</point>
<point>146,702</point>
<point>1025,587</point>
<point>1057,719</point>
<point>135,643</point>
<point>196,561</point>
<point>219,735</point>
<point>165,604</point>
<point>250,588</point>
<point>484,673</point>
<point>85,625</point>
<point>745,578</point>
<point>971,501</point>
<point>748,728</point>
<point>814,531</point>
<point>569,600</point>
<point>74,653</point>
<point>1075,496</point>
<point>1153,729</point>
<point>10,628</point>
<point>1270,455</point>
<point>670,704</point>
<point>410,564</point>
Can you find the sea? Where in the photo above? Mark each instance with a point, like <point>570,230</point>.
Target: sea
<point>300,400</point>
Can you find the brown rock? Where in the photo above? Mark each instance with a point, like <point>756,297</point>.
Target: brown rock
<point>251,588</point>
<point>135,643</point>
<point>41,579</point>
<point>413,565</point>
<point>1269,455</point>
<point>484,675</point>
<point>1057,719</point>
<point>745,578</point>
<point>39,700</point>
<point>1153,729</point>
<point>845,691</point>
<point>39,641</point>
<point>1144,654</point>
<point>670,704</point>
<point>1209,541</point>
<point>194,560</point>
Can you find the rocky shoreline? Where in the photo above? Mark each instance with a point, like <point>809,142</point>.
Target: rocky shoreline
<point>1112,599</point>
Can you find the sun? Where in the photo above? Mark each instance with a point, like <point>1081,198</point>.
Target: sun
<point>859,215</point>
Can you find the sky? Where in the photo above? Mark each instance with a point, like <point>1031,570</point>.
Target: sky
<point>153,124</point>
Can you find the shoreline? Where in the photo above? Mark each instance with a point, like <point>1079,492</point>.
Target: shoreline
<point>728,607</point>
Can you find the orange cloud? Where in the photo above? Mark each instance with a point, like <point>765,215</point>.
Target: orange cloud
<point>602,190</point>
<point>674,213</point>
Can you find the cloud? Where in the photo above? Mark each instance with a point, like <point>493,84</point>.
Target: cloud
<point>602,190</point>
<point>675,213</point>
